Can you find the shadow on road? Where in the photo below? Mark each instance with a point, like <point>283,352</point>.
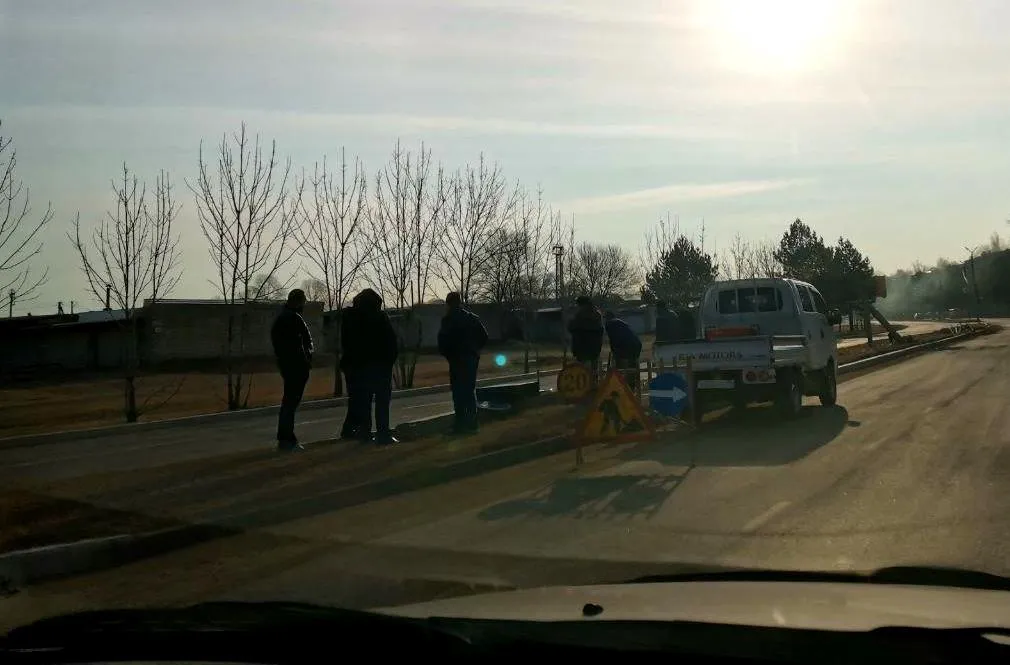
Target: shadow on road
<point>594,497</point>
<point>751,437</point>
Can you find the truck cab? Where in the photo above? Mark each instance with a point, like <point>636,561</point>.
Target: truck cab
<point>759,340</point>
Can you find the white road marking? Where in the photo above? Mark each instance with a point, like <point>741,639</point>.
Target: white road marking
<point>766,516</point>
<point>425,406</point>
<point>320,420</point>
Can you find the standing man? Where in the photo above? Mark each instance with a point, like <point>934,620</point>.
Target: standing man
<point>586,330</point>
<point>293,350</point>
<point>460,339</point>
<point>626,348</point>
<point>666,323</point>
<point>371,355</point>
<point>350,366</point>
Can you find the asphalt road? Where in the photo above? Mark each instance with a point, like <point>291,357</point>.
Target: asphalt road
<point>912,467</point>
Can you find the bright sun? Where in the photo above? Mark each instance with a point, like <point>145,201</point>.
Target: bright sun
<point>776,35</point>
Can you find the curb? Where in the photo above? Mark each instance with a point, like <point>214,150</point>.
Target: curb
<point>223,416</point>
<point>53,561</point>
<point>892,356</point>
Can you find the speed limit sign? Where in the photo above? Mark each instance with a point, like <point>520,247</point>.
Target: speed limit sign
<point>574,382</point>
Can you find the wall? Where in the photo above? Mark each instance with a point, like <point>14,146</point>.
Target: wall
<point>198,330</point>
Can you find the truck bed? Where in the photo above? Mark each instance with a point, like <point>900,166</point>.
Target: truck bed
<point>733,353</point>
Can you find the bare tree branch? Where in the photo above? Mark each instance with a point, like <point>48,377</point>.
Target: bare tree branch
<point>19,232</point>
<point>479,204</point>
<point>251,233</point>
<point>407,223</point>
<point>131,254</point>
<point>606,272</point>
<point>329,233</point>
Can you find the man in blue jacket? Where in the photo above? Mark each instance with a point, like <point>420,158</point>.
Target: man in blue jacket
<point>460,339</point>
<point>625,346</point>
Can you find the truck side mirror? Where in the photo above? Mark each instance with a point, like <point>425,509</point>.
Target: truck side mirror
<point>834,317</point>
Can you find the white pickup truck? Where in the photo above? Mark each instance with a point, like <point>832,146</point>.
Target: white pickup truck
<point>759,340</point>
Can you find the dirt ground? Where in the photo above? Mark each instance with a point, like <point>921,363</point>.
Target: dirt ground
<point>84,402</point>
<point>135,501</point>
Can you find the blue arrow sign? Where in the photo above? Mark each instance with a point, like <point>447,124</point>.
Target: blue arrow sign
<point>668,394</point>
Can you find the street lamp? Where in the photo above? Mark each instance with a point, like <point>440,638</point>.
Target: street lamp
<point>559,276</point>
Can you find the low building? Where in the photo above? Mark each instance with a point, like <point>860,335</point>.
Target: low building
<point>60,343</point>
<point>186,330</point>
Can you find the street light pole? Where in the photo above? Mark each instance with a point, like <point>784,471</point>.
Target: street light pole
<point>974,282</point>
<point>559,277</point>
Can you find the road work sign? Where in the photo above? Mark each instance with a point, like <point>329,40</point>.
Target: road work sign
<point>615,414</point>
<point>669,394</point>
<point>575,382</point>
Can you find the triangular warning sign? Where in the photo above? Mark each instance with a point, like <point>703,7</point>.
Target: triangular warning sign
<point>615,414</point>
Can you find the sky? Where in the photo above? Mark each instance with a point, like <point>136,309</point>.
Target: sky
<point>885,121</point>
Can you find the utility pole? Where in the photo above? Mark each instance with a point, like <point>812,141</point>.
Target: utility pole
<point>10,304</point>
<point>559,277</point>
<point>974,282</point>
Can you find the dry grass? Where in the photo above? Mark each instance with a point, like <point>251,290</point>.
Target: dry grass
<point>141,500</point>
<point>98,401</point>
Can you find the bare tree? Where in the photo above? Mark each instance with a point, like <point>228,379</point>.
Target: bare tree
<point>333,214</point>
<point>540,229</point>
<point>131,255</point>
<point>740,262</point>
<point>479,202</point>
<point>315,290</point>
<point>765,262</point>
<point>19,233</point>
<point>251,234</point>
<point>269,287</point>
<point>407,224</point>
<point>747,260</point>
<point>604,272</point>
<point>499,280</point>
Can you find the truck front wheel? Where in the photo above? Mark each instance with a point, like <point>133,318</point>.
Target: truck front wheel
<point>790,397</point>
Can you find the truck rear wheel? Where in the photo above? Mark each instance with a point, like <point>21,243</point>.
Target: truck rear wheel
<point>829,385</point>
<point>790,398</point>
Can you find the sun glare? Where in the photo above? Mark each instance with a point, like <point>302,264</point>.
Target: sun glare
<point>771,36</point>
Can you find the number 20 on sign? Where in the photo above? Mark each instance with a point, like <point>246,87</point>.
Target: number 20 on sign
<point>574,382</point>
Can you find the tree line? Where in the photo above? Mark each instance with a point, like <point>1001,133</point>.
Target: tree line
<point>678,268</point>
<point>412,229</point>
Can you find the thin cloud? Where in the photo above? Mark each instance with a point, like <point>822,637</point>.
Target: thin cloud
<point>674,194</point>
<point>385,123</point>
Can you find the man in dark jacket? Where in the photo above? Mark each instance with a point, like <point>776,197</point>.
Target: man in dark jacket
<point>349,366</point>
<point>625,346</point>
<point>666,323</point>
<point>369,353</point>
<point>586,330</point>
<point>460,339</point>
<point>293,350</point>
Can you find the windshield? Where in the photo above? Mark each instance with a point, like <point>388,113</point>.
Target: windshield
<point>372,302</point>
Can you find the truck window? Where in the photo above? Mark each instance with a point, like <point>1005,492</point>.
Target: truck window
<point>728,303</point>
<point>766,299</point>
<point>805,300</point>
<point>819,302</point>
<point>761,299</point>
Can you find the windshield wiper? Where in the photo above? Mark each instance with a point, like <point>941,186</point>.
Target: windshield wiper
<point>935,576</point>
